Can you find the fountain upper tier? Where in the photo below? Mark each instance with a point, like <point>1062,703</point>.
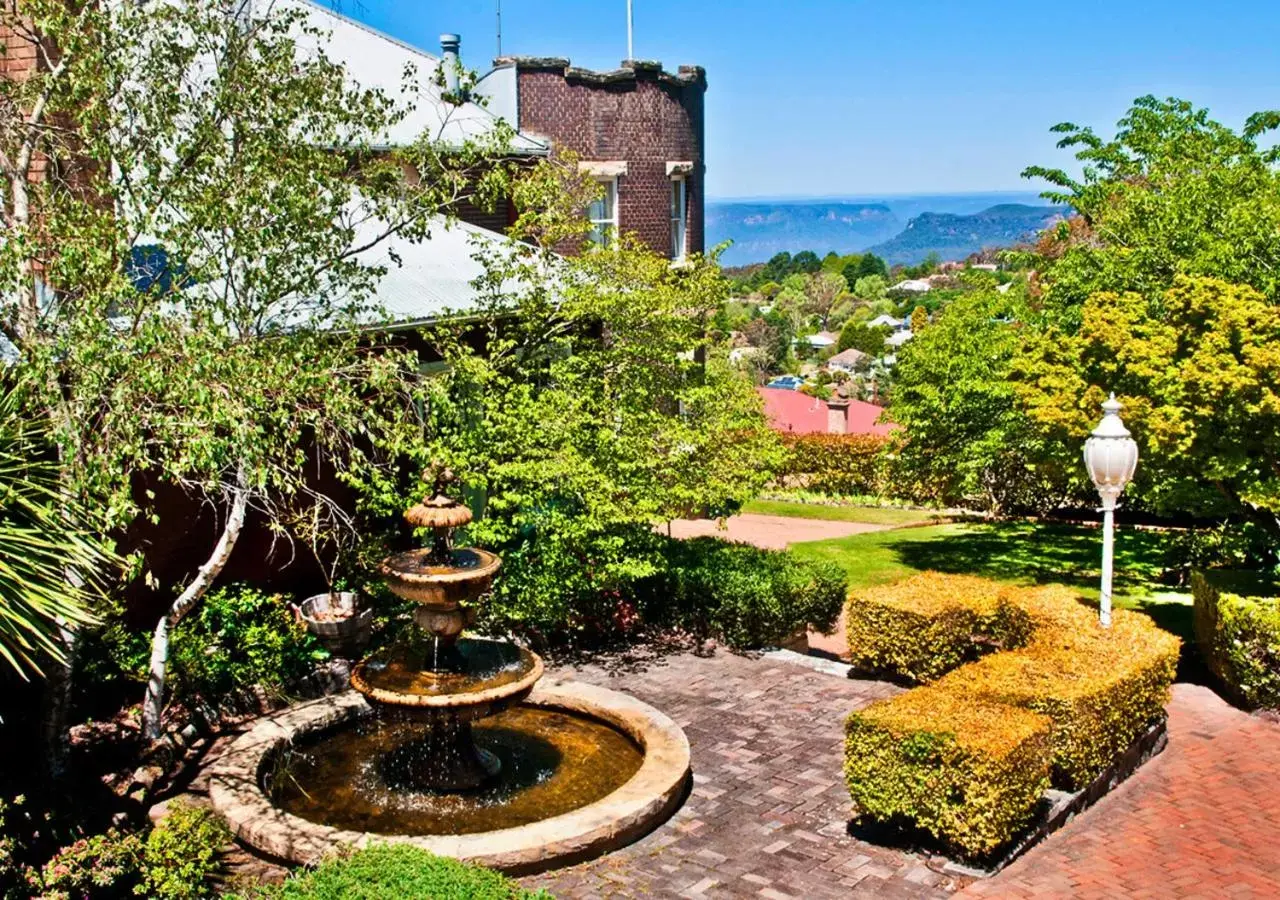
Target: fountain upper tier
<point>478,678</point>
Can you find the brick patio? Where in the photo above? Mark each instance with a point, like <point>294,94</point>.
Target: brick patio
<point>1200,820</point>
<point>768,810</point>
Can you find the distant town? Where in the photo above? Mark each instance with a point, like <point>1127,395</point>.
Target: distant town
<point>830,328</point>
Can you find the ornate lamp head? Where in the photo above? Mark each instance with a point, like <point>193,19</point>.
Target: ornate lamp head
<point>1111,454</point>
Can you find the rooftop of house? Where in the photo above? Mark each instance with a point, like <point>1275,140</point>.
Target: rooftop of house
<point>798,413</point>
<point>376,60</point>
<point>918,285</point>
<point>849,357</point>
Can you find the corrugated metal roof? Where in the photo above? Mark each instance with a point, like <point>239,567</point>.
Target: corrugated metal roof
<point>432,278</point>
<point>376,60</point>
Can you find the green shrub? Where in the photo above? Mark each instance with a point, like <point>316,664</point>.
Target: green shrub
<point>182,854</point>
<point>924,626</point>
<point>967,771</point>
<point>237,638</point>
<point>837,463</point>
<point>947,757</point>
<point>747,596</point>
<point>1239,638</point>
<point>396,872</point>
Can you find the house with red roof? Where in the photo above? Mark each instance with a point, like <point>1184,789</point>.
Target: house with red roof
<point>793,412</point>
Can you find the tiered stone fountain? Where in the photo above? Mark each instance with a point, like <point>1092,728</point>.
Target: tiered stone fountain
<point>437,678</point>
<point>448,742</point>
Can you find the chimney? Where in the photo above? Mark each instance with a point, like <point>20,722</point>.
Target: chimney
<point>449,44</point>
<point>838,415</point>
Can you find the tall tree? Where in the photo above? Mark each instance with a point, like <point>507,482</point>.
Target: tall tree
<point>1199,375</point>
<point>603,406</point>
<point>188,270</point>
<point>823,293</point>
<point>965,439</point>
<point>1173,192</point>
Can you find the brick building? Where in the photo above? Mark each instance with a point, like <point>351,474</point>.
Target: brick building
<point>639,130</point>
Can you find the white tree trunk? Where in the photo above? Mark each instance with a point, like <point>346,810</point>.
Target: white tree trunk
<point>153,704</point>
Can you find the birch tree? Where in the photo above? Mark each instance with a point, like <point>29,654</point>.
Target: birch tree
<point>193,192</point>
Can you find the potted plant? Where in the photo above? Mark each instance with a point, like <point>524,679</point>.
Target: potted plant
<point>336,617</point>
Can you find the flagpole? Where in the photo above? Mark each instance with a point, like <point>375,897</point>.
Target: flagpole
<point>499,28</point>
<point>631,53</point>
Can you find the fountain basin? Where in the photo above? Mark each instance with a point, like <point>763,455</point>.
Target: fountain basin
<point>485,677</point>
<point>657,787</point>
<point>414,575</point>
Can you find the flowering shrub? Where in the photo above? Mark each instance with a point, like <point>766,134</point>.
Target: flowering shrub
<point>99,865</point>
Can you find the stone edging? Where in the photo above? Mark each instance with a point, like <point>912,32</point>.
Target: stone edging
<point>647,799</point>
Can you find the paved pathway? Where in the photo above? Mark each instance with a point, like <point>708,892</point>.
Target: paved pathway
<point>1202,819</point>
<point>768,812</point>
<point>771,532</point>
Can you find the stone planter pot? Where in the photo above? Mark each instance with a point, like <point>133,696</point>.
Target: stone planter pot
<point>337,620</point>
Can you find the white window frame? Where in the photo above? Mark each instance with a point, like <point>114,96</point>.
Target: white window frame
<point>679,218</point>
<point>604,230</point>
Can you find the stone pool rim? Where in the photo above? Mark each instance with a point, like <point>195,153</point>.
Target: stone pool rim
<point>642,803</point>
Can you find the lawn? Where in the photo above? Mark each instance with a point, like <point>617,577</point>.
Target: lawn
<point>872,515</point>
<point>1019,552</point>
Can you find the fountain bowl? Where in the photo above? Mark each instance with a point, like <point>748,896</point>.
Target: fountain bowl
<point>238,787</point>
<point>400,691</point>
<point>415,575</point>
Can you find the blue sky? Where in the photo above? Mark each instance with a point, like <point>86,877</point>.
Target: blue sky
<point>873,97</point>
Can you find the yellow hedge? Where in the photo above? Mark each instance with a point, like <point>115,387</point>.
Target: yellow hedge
<point>967,771</point>
<point>925,626</point>
<point>1100,688</point>
<point>1094,690</point>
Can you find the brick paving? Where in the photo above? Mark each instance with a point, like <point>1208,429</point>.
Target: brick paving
<point>768,812</point>
<point>1202,819</point>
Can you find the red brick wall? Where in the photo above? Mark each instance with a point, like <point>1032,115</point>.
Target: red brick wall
<point>638,114</point>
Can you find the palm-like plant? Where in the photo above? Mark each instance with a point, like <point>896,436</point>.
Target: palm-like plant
<point>48,566</point>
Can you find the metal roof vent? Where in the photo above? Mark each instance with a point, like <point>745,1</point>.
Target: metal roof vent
<point>449,47</point>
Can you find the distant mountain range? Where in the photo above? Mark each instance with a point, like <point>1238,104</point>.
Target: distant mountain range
<point>955,237</point>
<point>903,229</point>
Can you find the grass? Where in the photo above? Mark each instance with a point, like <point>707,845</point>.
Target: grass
<point>1017,552</point>
<point>895,517</point>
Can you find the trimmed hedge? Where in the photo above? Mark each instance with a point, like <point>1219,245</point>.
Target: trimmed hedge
<point>837,463</point>
<point>396,872</point>
<point>1239,638</point>
<point>921,628</point>
<point>1100,689</point>
<point>963,769</point>
<point>747,596</point>
<point>1060,704</point>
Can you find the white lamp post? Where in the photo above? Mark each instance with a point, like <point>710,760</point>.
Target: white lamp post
<point>1111,456</point>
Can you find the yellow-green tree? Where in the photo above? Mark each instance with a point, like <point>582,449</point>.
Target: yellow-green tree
<point>1198,370</point>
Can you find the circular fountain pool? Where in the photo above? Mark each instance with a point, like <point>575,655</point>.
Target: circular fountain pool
<point>445,742</point>
<point>358,777</point>
<point>584,770</point>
